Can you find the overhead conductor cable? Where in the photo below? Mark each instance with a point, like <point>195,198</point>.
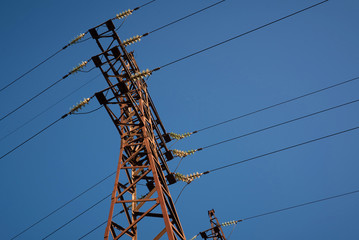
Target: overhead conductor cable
<point>73,71</point>
<point>73,110</point>
<point>77,39</point>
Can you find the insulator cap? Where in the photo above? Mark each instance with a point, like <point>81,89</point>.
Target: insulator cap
<point>140,75</point>
<point>188,178</point>
<point>76,39</point>
<point>78,106</point>
<point>194,237</point>
<point>124,14</point>
<point>78,68</point>
<point>225,224</point>
<point>180,136</point>
<point>134,39</point>
<point>182,154</point>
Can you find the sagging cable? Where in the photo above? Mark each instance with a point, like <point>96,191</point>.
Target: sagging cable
<point>180,136</point>
<point>182,154</point>
<point>74,70</point>
<point>72,110</point>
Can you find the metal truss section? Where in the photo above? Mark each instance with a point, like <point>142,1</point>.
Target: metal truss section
<point>215,232</point>
<point>141,204</point>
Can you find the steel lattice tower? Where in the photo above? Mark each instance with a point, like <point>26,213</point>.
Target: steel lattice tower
<point>215,232</point>
<point>141,190</point>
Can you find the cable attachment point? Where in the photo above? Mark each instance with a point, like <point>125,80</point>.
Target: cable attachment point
<point>194,237</point>
<point>225,224</point>
<point>140,75</point>
<point>78,68</point>
<point>134,39</point>
<point>76,39</point>
<point>124,14</point>
<point>179,136</point>
<point>78,106</point>
<point>188,178</point>
<point>180,153</point>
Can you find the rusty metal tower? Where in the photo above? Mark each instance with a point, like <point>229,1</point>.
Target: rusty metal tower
<point>215,232</point>
<point>141,196</point>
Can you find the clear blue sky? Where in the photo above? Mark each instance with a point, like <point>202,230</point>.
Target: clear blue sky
<point>310,51</point>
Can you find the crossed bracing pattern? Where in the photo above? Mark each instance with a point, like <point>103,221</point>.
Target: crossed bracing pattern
<point>141,186</point>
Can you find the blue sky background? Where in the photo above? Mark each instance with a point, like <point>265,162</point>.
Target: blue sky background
<point>310,51</point>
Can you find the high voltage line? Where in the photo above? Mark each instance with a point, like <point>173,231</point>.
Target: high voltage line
<point>233,164</point>
<point>276,125</point>
<point>62,206</point>
<point>74,41</point>
<point>289,208</point>
<point>78,70</point>
<point>245,115</point>
<point>280,150</point>
<point>278,104</point>
<point>282,123</point>
<point>218,44</point>
<point>48,108</point>
<point>243,34</point>
<point>195,53</point>
<point>74,109</point>
<point>74,70</point>
<point>204,173</point>
<point>227,41</point>
<point>73,219</point>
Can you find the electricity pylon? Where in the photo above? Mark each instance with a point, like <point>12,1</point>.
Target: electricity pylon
<point>215,232</point>
<point>141,192</point>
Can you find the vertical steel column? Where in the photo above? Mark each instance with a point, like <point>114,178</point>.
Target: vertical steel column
<point>142,166</point>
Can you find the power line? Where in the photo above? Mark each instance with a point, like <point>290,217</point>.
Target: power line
<point>180,19</point>
<point>300,205</point>
<point>302,117</point>
<point>171,23</point>
<point>241,35</point>
<point>32,69</point>
<point>312,114</point>
<point>253,158</point>
<point>180,193</point>
<point>282,149</point>
<point>83,212</point>
<point>265,25</point>
<point>292,207</point>
<point>282,123</point>
<point>81,113</point>
<point>47,109</point>
<point>266,213</point>
<point>74,41</point>
<point>278,104</point>
<point>98,226</point>
<point>146,3</point>
<point>76,69</point>
<point>73,219</point>
<point>42,130</point>
<point>62,206</point>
